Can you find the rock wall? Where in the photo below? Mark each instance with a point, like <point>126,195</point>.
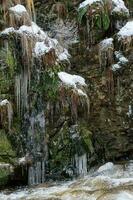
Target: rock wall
<point>70,122</point>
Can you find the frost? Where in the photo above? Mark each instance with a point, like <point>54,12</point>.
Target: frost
<point>18,9</point>
<point>71,80</point>
<point>65,32</point>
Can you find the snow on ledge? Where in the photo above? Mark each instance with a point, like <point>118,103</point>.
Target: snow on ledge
<point>34,29</point>
<point>22,160</point>
<point>4,102</point>
<point>106,43</point>
<point>64,55</point>
<point>121,59</point>
<point>116,67</point>
<point>119,7</point>
<point>42,42</point>
<point>41,48</point>
<point>18,9</point>
<point>7,31</point>
<point>81,93</point>
<point>88,2</point>
<point>71,80</point>
<point>126,31</point>
<point>107,166</point>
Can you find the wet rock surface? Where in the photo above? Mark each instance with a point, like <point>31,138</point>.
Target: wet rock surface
<point>70,126</point>
<point>109,182</point>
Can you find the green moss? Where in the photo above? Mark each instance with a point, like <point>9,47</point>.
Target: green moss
<point>100,17</point>
<point>7,70</point>
<point>7,154</point>
<point>10,61</point>
<point>51,80</point>
<point>86,135</point>
<point>4,174</point>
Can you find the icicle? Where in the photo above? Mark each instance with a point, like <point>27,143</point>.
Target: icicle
<point>7,104</point>
<point>18,91</point>
<point>81,164</point>
<point>10,114</point>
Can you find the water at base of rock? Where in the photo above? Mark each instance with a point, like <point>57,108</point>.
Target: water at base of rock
<point>109,182</point>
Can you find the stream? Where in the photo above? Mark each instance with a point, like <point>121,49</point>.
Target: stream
<point>108,182</point>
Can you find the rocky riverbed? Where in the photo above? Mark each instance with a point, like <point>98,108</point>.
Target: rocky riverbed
<point>108,182</point>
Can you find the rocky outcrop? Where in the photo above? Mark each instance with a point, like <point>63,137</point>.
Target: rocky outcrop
<point>72,103</point>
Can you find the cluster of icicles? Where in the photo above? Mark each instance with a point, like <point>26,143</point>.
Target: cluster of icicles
<point>35,43</point>
<point>6,108</point>
<point>109,182</point>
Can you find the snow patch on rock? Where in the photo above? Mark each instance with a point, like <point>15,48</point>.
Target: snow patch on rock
<point>71,80</point>
<point>7,31</point>
<point>119,7</point>
<point>116,67</point>
<point>64,55</point>
<point>41,48</point>
<point>88,2</point>
<point>106,43</point>
<point>18,9</point>
<point>4,102</point>
<point>107,166</point>
<point>126,31</point>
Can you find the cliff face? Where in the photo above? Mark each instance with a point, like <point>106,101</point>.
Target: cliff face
<point>64,123</point>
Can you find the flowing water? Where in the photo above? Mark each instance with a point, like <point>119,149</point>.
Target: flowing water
<point>109,182</point>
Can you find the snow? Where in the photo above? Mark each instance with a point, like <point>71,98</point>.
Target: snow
<point>88,2</point>
<point>42,43</point>
<point>106,43</point>
<point>41,48</point>
<point>122,59</point>
<point>71,80</point>
<point>4,102</point>
<point>7,31</point>
<point>126,31</point>
<point>79,80</point>
<point>18,9</point>
<point>81,93</point>
<point>107,166</point>
<point>119,7</point>
<point>64,55</point>
<point>34,29</point>
<point>116,67</point>
<point>22,160</point>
